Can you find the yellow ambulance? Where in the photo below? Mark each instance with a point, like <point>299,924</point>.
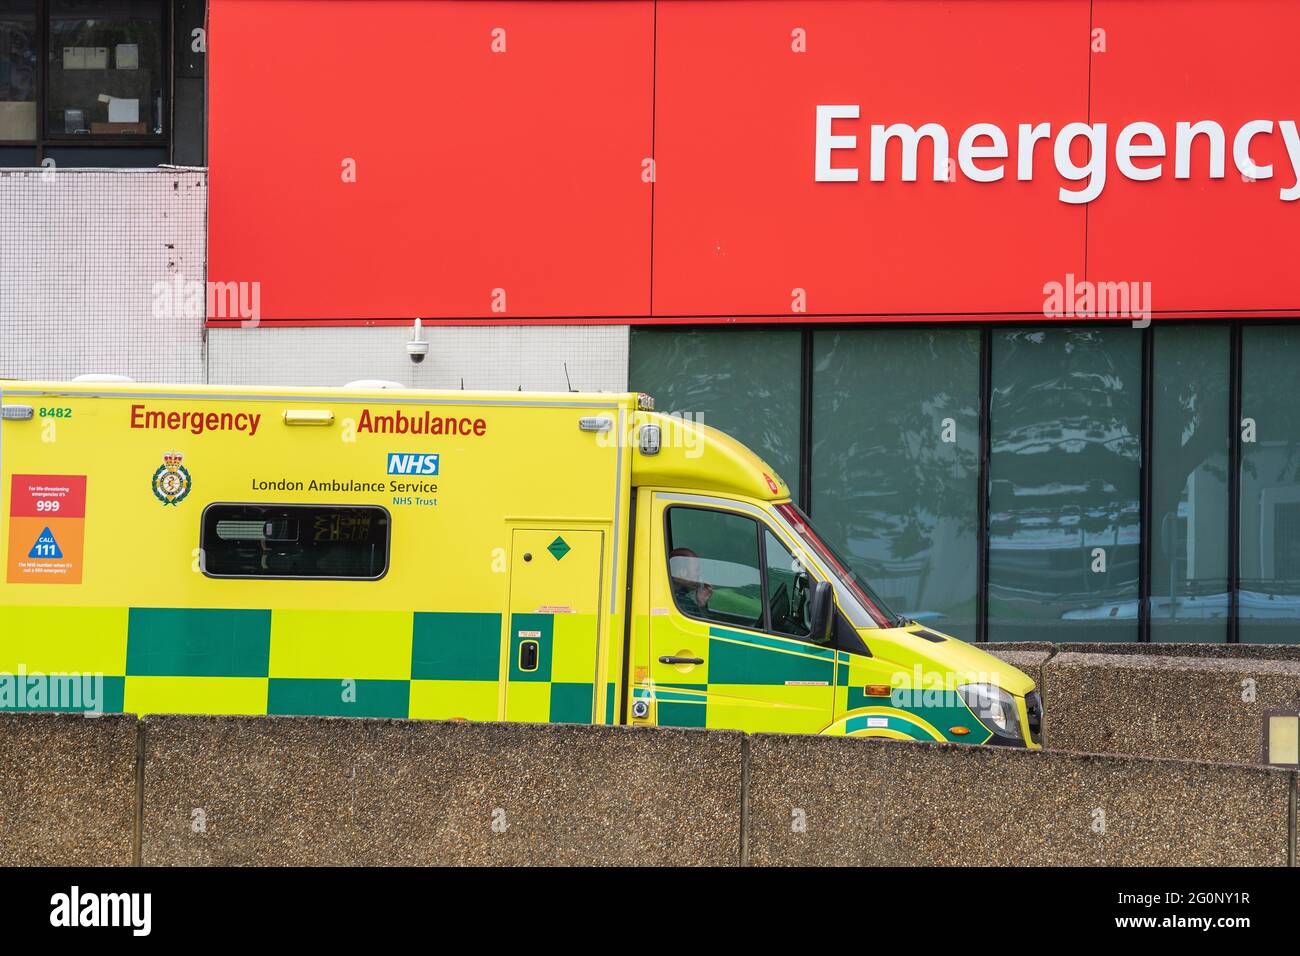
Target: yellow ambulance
<point>387,552</point>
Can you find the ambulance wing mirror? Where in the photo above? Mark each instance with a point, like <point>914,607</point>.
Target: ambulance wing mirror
<point>821,612</point>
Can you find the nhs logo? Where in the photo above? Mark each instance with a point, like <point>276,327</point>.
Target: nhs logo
<point>408,463</point>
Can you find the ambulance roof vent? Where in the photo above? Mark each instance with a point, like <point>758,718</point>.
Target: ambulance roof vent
<point>102,377</point>
<point>370,384</point>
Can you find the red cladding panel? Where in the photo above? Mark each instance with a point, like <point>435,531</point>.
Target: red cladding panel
<point>1203,244</point>
<point>740,221</point>
<point>476,170</point>
<point>523,170</point>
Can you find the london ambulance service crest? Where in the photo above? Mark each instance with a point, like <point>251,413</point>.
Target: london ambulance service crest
<point>171,482</point>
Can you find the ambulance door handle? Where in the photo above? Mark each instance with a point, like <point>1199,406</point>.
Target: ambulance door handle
<point>681,660</point>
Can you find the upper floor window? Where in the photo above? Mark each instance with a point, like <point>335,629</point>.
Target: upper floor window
<point>83,72</point>
<point>106,73</point>
<point>18,69</point>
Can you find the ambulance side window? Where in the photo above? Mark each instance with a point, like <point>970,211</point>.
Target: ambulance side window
<point>294,541</point>
<point>713,566</point>
<point>789,589</point>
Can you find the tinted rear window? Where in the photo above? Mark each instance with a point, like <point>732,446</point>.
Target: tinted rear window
<point>295,541</point>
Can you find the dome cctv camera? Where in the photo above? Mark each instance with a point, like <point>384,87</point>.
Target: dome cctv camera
<point>417,348</point>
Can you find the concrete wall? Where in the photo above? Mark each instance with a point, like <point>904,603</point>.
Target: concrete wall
<point>273,790</point>
<point>818,801</point>
<point>1193,701</point>
<point>1202,708</point>
<point>1027,656</point>
<point>1262,652</point>
<point>308,790</point>
<point>67,790</point>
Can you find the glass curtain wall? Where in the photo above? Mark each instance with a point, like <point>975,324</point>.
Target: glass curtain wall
<point>1190,443</point>
<point>895,465</point>
<point>1269,597</point>
<point>743,381</point>
<point>892,432</point>
<point>1065,418</point>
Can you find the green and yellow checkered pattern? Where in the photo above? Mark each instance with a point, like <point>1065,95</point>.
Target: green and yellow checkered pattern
<point>750,681</point>
<point>559,688</point>
<point>309,662</point>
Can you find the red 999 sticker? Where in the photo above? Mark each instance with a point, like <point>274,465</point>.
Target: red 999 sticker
<point>47,529</point>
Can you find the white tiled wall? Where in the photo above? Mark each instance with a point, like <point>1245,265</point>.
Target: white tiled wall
<point>80,253</point>
<point>536,358</point>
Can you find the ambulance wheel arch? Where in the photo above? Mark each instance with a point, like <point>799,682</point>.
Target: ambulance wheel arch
<point>890,723</point>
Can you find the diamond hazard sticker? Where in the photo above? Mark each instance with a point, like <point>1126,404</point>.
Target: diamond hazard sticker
<point>47,529</point>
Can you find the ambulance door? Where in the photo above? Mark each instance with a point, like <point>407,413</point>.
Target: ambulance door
<point>554,620</point>
<point>729,634</point>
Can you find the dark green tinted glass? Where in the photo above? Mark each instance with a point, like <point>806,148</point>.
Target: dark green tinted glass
<point>1270,485</point>
<point>788,590</point>
<point>895,465</point>
<point>713,566</point>
<point>1189,484</point>
<point>745,382</point>
<point>18,70</point>
<point>1064,484</point>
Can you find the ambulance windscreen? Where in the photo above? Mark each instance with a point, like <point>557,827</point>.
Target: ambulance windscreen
<point>854,582</point>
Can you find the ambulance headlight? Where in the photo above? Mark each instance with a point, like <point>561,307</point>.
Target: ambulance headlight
<point>995,708</point>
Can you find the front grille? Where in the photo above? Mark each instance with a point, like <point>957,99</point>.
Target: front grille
<point>1034,708</point>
